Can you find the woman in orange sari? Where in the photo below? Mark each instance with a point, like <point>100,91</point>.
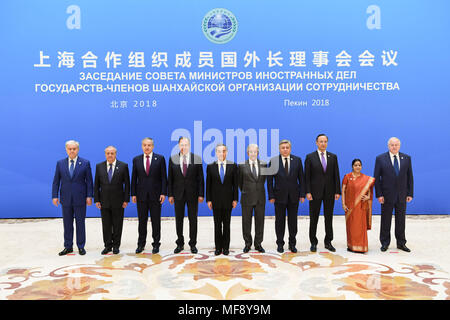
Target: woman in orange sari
<point>357,196</point>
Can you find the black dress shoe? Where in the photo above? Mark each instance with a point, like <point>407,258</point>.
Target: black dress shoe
<point>313,248</point>
<point>82,252</point>
<point>178,249</point>
<point>280,249</point>
<point>293,249</point>
<point>226,252</point>
<point>194,249</point>
<point>330,247</point>
<point>246,249</point>
<point>106,251</point>
<point>217,252</point>
<point>116,250</point>
<point>384,248</point>
<point>349,250</point>
<point>155,250</point>
<point>65,251</point>
<point>139,250</point>
<point>404,248</point>
<point>260,249</point>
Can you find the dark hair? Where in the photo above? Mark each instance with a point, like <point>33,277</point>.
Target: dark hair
<point>356,160</point>
<point>320,135</point>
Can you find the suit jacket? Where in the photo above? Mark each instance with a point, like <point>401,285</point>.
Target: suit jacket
<point>221,194</point>
<point>73,191</point>
<point>282,187</point>
<point>112,194</point>
<point>155,184</point>
<point>388,184</point>
<point>253,191</point>
<point>322,185</point>
<point>192,186</point>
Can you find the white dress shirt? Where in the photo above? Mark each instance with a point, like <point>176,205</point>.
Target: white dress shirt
<point>392,159</point>
<point>324,154</point>
<point>113,166</point>
<point>187,161</point>
<point>74,163</point>
<point>224,166</point>
<point>288,160</point>
<point>256,166</point>
<point>145,160</point>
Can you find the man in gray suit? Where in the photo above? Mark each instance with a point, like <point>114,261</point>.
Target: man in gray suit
<point>253,197</point>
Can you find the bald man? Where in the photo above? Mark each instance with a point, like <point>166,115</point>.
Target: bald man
<point>393,188</point>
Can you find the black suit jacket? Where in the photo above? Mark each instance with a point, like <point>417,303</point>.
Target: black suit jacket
<point>155,184</point>
<point>322,185</point>
<point>222,195</point>
<point>388,184</point>
<point>112,194</point>
<point>282,187</point>
<point>192,186</point>
<point>253,191</point>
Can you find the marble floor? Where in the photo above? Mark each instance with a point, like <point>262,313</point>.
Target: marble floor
<point>30,267</point>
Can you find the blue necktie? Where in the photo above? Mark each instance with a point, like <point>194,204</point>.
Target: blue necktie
<point>396,168</point>
<point>110,173</point>
<point>71,169</point>
<point>221,172</point>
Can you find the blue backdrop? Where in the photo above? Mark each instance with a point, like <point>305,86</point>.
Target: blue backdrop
<point>359,71</point>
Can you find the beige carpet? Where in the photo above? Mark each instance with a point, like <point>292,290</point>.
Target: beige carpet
<point>30,267</point>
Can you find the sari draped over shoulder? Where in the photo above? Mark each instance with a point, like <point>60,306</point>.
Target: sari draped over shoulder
<point>358,218</point>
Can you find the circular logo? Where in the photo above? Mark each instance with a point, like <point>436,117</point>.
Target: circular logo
<point>219,25</point>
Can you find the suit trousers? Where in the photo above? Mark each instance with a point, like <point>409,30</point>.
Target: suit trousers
<point>192,208</point>
<point>79,213</point>
<point>386,219</point>
<point>222,220</point>
<point>143,208</point>
<point>314,212</point>
<point>280,222</point>
<point>112,223</point>
<point>247,213</point>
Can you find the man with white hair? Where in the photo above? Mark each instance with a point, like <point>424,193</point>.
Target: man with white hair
<point>73,188</point>
<point>393,188</point>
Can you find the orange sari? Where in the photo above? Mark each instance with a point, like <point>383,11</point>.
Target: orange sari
<point>358,218</point>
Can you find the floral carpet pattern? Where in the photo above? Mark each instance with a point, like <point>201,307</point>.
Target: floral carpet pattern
<point>255,276</point>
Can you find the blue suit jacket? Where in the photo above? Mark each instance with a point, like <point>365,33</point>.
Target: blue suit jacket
<point>281,186</point>
<point>73,191</point>
<point>388,184</point>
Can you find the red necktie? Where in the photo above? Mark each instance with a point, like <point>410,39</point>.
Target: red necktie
<point>147,165</point>
<point>184,166</point>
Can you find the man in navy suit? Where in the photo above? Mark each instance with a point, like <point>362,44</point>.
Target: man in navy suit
<point>286,187</point>
<point>73,188</point>
<point>323,185</point>
<point>149,190</point>
<point>394,188</point>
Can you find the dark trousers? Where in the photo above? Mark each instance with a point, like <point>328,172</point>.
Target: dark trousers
<point>143,208</point>
<point>192,208</point>
<point>222,220</point>
<point>79,214</point>
<point>314,212</point>
<point>280,222</point>
<point>112,223</point>
<point>386,219</point>
<point>247,212</point>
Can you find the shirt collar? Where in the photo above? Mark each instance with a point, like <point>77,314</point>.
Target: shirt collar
<point>392,155</point>
<point>114,163</point>
<point>151,155</point>
<point>74,159</point>
<point>320,152</point>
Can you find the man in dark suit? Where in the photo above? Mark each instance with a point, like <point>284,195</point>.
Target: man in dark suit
<point>186,188</point>
<point>323,185</point>
<point>253,197</point>
<point>394,187</point>
<point>222,196</point>
<point>73,183</point>
<point>149,190</point>
<point>286,188</point>
<point>111,196</point>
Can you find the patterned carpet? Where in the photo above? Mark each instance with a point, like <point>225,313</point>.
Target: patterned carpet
<point>255,276</point>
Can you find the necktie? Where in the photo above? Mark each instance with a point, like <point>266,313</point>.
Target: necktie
<point>110,172</point>
<point>184,166</point>
<point>286,167</point>
<point>396,167</point>
<point>71,169</point>
<point>222,173</point>
<point>324,163</point>
<point>254,170</point>
<point>147,165</point>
